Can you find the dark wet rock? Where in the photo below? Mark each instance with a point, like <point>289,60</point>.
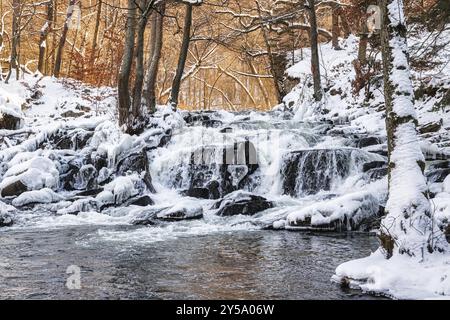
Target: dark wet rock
<point>157,138</point>
<point>89,193</point>
<point>241,203</point>
<point>214,189</point>
<point>6,220</point>
<point>10,122</point>
<point>439,165</point>
<point>72,114</point>
<point>368,141</point>
<point>15,188</point>
<point>211,123</point>
<point>373,165</point>
<point>230,167</point>
<point>226,130</point>
<point>306,172</point>
<point>437,175</point>
<point>74,139</point>
<point>430,127</point>
<point>141,201</point>
<point>85,178</point>
<point>380,152</point>
<point>377,173</point>
<point>136,162</point>
<point>99,162</point>
<point>202,193</point>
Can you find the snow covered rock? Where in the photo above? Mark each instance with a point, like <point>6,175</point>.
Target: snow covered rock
<point>241,202</point>
<point>6,218</point>
<point>11,117</point>
<point>182,211</point>
<point>355,211</point>
<point>38,173</point>
<point>45,195</point>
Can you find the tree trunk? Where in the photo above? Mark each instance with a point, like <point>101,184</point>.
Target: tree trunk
<point>62,41</point>
<point>344,22</point>
<point>125,68</point>
<point>139,74</point>
<point>149,94</point>
<point>43,36</point>
<point>13,63</point>
<point>408,227</point>
<point>335,29</point>
<point>315,63</point>
<point>173,101</point>
<point>363,41</point>
<point>95,36</point>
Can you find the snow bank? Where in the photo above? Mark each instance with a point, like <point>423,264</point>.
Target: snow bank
<point>400,277</point>
<point>348,212</point>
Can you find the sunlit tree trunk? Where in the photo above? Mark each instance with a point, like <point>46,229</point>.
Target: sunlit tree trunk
<point>62,40</point>
<point>43,34</point>
<point>173,101</point>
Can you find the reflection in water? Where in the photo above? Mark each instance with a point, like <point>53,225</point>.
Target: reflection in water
<point>238,265</point>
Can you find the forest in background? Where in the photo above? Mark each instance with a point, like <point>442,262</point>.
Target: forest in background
<point>237,49</point>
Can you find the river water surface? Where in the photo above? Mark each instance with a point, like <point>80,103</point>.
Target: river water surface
<point>226,265</point>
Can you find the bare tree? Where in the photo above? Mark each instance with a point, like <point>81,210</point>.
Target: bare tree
<point>125,68</point>
<point>173,101</point>
<point>43,34</point>
<point>149,94</point>
<point>313,38</point>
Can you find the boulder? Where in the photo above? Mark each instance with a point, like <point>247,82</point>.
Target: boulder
<point>369,141</point>
<point>10,121</point>
<point>202,193</point>
<point>72,114</point>
<point>437,175</point>
<point>136,162</point>
<point>241,203</point>
<point>373,165</point>
<point>430,127</point>
<point>6,220</point>
<point>141,201</point>
<point>152,215</point>
<point>14,189</point>
<point>230,168</point>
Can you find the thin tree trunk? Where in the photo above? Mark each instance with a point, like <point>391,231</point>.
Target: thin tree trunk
<point>408,227</point>
<point>315,63</point>
<point>125,68</point>
<point>335,28</point>
<point>276,81</point>
<point>139,74</point>
<point>344,22</point>
<point>149,94</point>
<point>173,101</point>
<point>95,36</point>
<point>62,41</point>
<point>363,41</point>
<point>43,36</point>
<point>13,63</point>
